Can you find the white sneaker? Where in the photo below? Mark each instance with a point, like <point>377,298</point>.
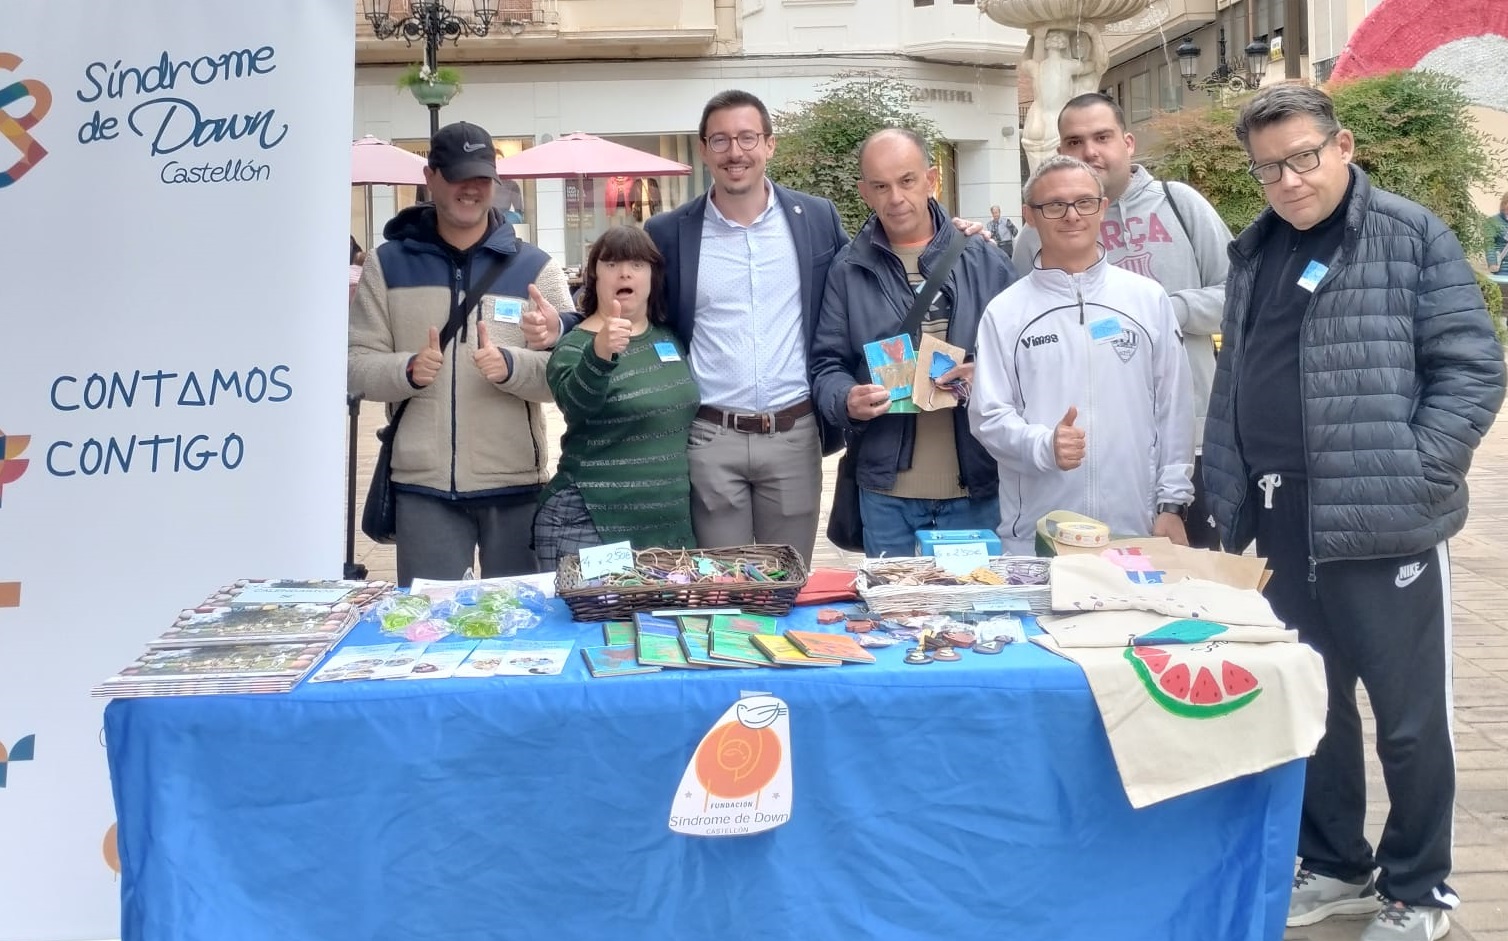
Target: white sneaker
<point>1316,897</point>
<point>1400,922</point>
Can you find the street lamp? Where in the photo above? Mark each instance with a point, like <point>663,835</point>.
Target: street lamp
<point>432,22</point>
<point>1223,79</point>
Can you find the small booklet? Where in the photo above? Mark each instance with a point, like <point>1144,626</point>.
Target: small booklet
<point>617,633</point>
<point>660,651</point>
<point>892,364</point>
<point>649,624</point>
<point>737,647</point>
<point>533,657</point>
<point>439,661</point>
<point>399,662</point>
<point>695,646</point>
<point>259,624</point>
<point>830,646</point>
<point>305,591</point>
<point>614,660</point>
<point>483,660</point>
<point>748,623</point>
<point>353,663</point>
<point>787,654</point>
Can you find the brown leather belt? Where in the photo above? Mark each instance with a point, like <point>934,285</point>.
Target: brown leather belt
<point>756,423</point>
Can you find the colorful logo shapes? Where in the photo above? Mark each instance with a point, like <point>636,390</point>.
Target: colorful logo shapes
<point>14,128</point>
<point>12,465</point>
<point>24,750</point>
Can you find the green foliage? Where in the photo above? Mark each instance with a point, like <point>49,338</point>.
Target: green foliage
<point>818,141</point>
<point>1199,147</point>
<point>1414,137</point>
<point>1492,293</point>
<point>419,75</point>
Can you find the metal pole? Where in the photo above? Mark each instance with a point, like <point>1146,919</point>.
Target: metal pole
<point>432,62</point>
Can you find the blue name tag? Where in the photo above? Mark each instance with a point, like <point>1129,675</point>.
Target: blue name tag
<point>667,352</point>
<point>1314,273</point>
<point>507,309</point>
<point>1106,329</point>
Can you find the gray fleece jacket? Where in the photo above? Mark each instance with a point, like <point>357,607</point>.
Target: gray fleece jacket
<point>1142,233</point>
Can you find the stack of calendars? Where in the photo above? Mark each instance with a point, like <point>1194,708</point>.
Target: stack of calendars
<point>250,637</point>
<point>444,659</point>
<point>653,642</point>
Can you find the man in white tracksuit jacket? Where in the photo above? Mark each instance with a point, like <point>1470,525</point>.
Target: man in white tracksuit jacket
<point>1081,389</point>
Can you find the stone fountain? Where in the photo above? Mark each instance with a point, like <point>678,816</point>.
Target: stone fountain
<point>1064,57</point>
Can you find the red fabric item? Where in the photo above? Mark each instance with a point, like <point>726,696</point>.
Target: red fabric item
<point>1395,35</point>
<point>824,586</point>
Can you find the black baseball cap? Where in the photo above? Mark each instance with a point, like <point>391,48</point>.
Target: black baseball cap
<point>462,151</point>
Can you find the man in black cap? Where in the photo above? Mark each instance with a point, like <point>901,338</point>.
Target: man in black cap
<point>470,450</point>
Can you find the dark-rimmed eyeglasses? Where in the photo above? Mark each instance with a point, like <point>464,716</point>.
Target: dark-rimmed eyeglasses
<point>1305,161</point>
<point>719,143</point>
<point>1057,209</point>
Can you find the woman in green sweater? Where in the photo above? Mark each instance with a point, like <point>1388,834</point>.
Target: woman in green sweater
<point>621,381</point>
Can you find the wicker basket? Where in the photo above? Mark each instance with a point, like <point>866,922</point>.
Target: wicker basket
<point>886,600</point>
<point>612,603</point>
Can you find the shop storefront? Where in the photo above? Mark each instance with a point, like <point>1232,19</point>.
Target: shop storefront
<point>655,110</point>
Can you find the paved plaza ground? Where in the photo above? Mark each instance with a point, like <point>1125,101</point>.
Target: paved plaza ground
<point>1479,563</point>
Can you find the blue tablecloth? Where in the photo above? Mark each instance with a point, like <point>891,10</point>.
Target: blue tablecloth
<point>967,800</point>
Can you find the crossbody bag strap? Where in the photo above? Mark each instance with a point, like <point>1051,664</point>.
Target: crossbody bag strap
<point>1167,191</point>
<point>923,301</point>
<point>458,315</point>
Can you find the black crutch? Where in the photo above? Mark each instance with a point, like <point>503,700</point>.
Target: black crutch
<point>353,569</point>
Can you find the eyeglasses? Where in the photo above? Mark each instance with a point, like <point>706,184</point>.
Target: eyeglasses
<point>1088,206</point>
<point>719,143</point>
<point>1305,161</point>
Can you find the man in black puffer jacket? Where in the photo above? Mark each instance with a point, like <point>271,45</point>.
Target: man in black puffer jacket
<point>1358,374</point>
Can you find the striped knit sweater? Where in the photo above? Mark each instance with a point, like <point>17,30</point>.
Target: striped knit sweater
<point>624,447</point>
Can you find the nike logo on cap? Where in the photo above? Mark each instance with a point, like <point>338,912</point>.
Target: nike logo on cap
<point>472,148</point>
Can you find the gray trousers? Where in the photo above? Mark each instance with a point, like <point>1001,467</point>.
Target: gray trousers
<point>748,489</point>
<point>439,538</point>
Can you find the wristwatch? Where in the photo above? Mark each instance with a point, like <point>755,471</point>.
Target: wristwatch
<point>1177,509</point>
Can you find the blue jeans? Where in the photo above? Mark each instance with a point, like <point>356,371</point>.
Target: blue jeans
<point>890,523</point>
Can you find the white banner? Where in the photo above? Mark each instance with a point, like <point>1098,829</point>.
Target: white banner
<point>174,207</point>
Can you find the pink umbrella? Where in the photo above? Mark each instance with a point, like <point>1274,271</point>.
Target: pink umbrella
<point>377,161</point>
<point>582,155</point>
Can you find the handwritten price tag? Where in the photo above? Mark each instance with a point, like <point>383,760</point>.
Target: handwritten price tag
<point>597,561</point>
<point>961,558</point>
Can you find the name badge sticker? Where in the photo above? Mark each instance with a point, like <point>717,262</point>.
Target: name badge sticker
<point>1314,273</point>
<point>508,309</point>
<point>667,352</point>
<point>1105,329</point>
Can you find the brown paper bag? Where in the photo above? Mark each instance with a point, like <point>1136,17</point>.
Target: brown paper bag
<point>1237,571</point>
<point>929,397</point>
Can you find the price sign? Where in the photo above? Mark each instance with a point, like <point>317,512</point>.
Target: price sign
<point>597,561</point>
<point>961,558</point>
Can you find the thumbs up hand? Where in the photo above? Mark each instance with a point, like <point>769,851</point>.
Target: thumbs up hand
<point>424,365</point>
<point>613,338</point>
<point>541,325</point>
<point>488,358</point>
<point>1068,441</point>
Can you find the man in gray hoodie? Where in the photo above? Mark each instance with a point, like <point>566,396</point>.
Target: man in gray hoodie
<point>1165,231</point>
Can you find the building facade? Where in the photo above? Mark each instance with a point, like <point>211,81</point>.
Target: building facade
<point>639,73</point>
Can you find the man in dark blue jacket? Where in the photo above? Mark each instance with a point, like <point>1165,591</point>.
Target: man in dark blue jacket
<point>1359,372</point>
<point>744,269</point>
<point>918,469</point>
